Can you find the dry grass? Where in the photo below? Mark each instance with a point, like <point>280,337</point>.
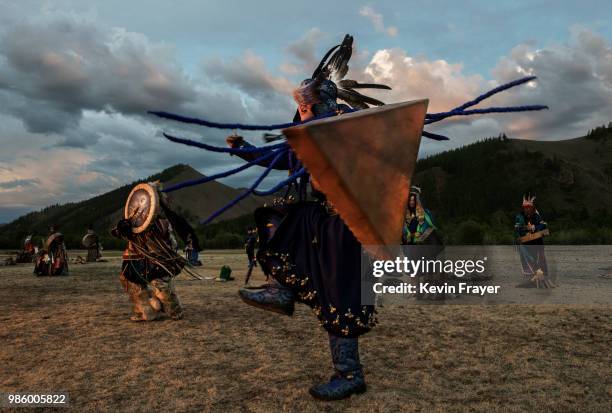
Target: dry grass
<point>73,334</point>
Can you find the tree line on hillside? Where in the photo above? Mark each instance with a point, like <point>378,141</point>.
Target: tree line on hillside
<point>473,191</point>
<point>603,132</point>
<point>74,218</point>
<point>482,188</point>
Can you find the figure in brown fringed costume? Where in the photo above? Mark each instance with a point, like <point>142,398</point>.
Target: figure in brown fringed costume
<point>150,261</point>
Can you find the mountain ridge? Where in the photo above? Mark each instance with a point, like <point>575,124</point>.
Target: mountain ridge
<point>473,191</point>
<point>102,211</point>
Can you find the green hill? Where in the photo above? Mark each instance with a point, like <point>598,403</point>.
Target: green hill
<point>105,210</point>
<point>473,192</point>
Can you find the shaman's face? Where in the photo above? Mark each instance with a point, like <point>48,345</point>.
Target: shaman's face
<point>306,96</point>
<point>412,202</point>
<point>305,112</point>
<point>529,210</point>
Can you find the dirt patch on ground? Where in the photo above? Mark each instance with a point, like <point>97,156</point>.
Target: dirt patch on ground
<point>73,334</point>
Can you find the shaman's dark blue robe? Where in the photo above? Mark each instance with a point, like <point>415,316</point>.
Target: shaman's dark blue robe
<point>306,246</point>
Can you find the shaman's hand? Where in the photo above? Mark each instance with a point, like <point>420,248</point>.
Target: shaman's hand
<point>123,229</point>
<point>234,141</point>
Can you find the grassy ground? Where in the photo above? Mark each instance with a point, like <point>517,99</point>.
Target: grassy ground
<point>73,334</point>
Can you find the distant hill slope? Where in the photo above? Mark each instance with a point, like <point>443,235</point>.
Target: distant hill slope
<point>483,184</point>
<point>473,191</point>
<point>103,211</point>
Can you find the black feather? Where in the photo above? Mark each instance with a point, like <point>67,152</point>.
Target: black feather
<point>338,63</point>
<point>353,84</point>
<point>323,61</point>
<point>352,101</point>
<point>356,96</point>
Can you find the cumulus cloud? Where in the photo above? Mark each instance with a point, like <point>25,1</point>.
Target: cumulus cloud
<point>32,182</point>
<point>574,79</point>
<point>377,21</point>
<point>417,77</point>
<point>74,95</point>
<point>73,102</point>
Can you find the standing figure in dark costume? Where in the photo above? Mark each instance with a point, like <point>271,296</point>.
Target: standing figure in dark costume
<point>192,251</point>
<point>150,261</point>
<point>310,255</point>
<point>53,259</point>
<point>249,244</point>
<point>529,230</point>
<point>92,243</point>
<point>249,249</point>
<point>305,247</point>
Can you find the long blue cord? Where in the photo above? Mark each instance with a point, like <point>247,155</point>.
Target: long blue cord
<point>221,175</point>
<point>280,149</point>
<point>280,185</point>
<point>429,118</point>
<point>234,151</point>
<point>245,193</point>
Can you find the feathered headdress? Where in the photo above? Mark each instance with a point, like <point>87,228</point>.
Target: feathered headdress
<point>528,201</point>
<point>330,73</point>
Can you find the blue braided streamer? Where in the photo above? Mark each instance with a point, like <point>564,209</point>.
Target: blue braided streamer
<point>281,184</point>
<point>212,148</point>
<point>434,136</point>
<point>221,175</point>
<point>245,193</point>
<point>429,118</point>
<point>242,126</point>
<point>494,91</point>
<point>502,109</point>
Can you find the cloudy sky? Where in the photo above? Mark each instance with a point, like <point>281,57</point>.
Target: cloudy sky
<point>77,77</point>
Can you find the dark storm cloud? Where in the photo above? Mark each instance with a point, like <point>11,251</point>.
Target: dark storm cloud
<point>574,79</point>
<point>248,74</point>
<point>306,49</point>
<point>51,71</point>
<point>74,91</point>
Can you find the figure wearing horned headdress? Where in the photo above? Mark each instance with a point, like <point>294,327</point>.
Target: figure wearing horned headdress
<point>529,231</point>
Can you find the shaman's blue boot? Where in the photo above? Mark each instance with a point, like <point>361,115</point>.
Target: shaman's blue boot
<point>273,297</point>
<point>348,378</point>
